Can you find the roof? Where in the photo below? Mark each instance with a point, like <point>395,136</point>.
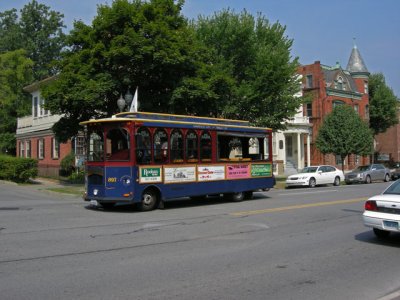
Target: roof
<point>356,63</point>
<point>182,121</point>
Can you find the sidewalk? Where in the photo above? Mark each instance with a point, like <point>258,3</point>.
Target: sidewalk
<point>55,185</point>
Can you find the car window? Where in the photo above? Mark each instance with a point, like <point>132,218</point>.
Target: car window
<point>393,189</point>
<point>309,170</point>
<point>330,169</point>
<point>379,167</point>
<point>362,168</point>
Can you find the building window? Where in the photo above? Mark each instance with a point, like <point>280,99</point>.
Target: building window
<point>41,148</point>
<point>309,109</point>
<point>309,81</point>
<point>357,159</point>
<point>43,111</point>
<point>21,149</point>
<point>79,146</point>
<point>55,148</point>
<point>339,83</point>
<point>365,87</point>
<point>356,108</point>
<point>35,106</point>
<point>367,111</point>
<point>337,103</point>
<point>28,148</point>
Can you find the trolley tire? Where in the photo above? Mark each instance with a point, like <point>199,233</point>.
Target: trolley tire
<point>149,200</point>
<point>235,197</point>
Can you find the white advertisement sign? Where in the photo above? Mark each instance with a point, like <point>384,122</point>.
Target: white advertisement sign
<point>209,173</point>
<point>179,174</point>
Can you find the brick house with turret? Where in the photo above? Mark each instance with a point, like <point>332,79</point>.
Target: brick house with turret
<point>329,86</point>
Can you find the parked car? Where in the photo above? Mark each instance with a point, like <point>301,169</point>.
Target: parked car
<point>395,170</point>
<point>316,175</point>
<point>382,212</point>
<point>368,174</point>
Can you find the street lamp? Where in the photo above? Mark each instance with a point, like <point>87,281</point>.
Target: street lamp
<point>124,101</point>
<point>121,103</point>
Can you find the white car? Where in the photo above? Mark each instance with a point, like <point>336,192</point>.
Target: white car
<point>382,212</point>
<point>316,175</point>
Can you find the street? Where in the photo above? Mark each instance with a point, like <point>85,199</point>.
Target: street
<point>284,244</point>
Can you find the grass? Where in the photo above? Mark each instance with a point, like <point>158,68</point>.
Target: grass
<point>71,190</point>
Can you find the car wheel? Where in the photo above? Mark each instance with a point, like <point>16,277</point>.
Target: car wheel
<point>387,178</point>
<point>381,233</point>
<point>368,179</point>
<point>336,182</point>
<point>312,183</point>
<point>149,200</point>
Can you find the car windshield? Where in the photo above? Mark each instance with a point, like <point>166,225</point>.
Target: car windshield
<point>361,168</point>
<point>394,189</point>
<point>309,170</point>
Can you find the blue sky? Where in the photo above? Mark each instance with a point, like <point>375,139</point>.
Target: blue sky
<point>321,30</point>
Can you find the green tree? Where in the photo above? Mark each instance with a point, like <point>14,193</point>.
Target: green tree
<point>250,68</point>
<point>343,132</point>
<point>15,73</point>
<point>383,104</point>
<point>38,30</point>
<point>130,43</point>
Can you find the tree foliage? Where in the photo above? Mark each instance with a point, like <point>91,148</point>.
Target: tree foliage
<point>15,73</point>
<point>250,68</point>
<point>343,133</point>
<point>129,44</point>
<point>38,30</point>
<point>383,104</point>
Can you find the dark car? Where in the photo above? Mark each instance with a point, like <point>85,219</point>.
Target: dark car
<point>395,170</point>
<point>368,174</point>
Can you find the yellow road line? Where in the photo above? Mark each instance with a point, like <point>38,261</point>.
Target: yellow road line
<point>267,210</point>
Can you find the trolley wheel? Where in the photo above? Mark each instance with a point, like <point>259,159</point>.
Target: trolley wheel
<point>149,200</point>
<point>235,197</point>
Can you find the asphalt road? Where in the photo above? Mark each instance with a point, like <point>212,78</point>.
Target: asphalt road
<point>283,244</point>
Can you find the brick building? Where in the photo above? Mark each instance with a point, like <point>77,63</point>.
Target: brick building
<point>331,86</point>
<point>387,144</point>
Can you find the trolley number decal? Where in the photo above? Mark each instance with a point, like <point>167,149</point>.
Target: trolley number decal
<point>112,179</point>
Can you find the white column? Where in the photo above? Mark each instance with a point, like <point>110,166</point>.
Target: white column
<point>308,150</point>
<point>299,164</point>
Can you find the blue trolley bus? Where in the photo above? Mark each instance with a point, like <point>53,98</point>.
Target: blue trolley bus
<point>148,158</point>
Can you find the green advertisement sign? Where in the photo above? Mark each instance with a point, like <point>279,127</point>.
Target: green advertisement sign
<point>261,170</point>
<point>150,175</point>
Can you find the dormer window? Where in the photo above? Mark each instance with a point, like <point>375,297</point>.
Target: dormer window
<point>339,84</point>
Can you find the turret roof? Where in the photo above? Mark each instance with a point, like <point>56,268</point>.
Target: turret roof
<point>356,63</point>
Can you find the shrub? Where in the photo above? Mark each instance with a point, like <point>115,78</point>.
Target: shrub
<point>67,165</point>
<point>17,169</point>
<point>77,177</point>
